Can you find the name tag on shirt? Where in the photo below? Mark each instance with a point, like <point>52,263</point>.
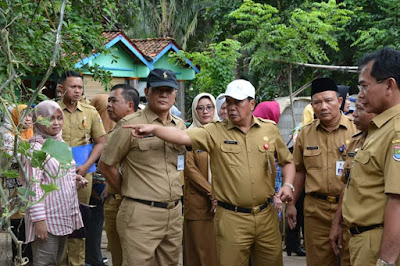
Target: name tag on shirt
<point>339,168</point>
<point>312,148</point>
<point>181,162</point>
<point>230,142</point>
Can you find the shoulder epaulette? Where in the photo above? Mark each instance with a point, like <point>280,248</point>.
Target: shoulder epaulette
<point>177,118</point>
<point>397,124</point>
<point>266,120</point>
<point>88,106</point>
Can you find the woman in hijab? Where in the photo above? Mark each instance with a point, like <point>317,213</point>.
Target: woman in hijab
<point>268,110</point>
<point>344,93</point>
<point>222,112</point>
<point>8,136</point>
<point>49,222</point>
<point>199,245</point>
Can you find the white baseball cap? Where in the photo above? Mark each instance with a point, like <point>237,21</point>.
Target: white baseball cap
<point>239,89</point>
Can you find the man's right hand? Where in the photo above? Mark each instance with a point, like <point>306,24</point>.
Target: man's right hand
<point>291,215</point>
<point>141,130</point>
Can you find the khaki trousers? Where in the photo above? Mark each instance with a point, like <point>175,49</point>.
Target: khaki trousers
<point>149,235</point>
<point>318,216</point>
<point>242,234</point>
<point>199,245</point>
<point>48,252</point>
<point>74,251</point>
<point>111,207</point>
<point>364,248</point>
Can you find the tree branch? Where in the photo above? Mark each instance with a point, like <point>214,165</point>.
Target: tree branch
<point>52,62</point>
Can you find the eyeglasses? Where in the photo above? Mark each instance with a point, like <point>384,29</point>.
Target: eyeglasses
<point>364,87</point>
<point>202,108</point>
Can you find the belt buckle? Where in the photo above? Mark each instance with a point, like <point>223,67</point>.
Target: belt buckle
<point>331,199</point>
<point>255,210</point>
<point>170,205</point>
<point>118,196</point>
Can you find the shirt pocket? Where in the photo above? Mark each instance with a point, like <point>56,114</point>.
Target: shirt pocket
<point>361,159</point>
<point>85,125</point>
<point>312,159</point>
<point>150,144</point>
<point>231,154</point>
<point>269,155</point>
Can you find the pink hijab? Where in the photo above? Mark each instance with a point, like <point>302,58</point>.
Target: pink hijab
<point>268,110</point>
<point>45,109</point>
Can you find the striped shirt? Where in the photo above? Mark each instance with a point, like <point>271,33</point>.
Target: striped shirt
<point>60,209</point>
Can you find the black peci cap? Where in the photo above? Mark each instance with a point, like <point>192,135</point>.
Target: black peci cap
<point>160,77</point>
<point>323,84</point>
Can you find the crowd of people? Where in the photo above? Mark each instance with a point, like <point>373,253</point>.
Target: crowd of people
<point>132,166</point>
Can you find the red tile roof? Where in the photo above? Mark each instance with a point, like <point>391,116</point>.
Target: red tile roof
<point>110,35</point>
<point>151,47</point>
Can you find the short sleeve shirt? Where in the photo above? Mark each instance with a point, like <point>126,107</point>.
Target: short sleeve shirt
<point>242,164</point>
<point>81,125</point>
<point>148,165</point>
<point>351,149</point>
<point>317,151</point>
<point>375,172</point>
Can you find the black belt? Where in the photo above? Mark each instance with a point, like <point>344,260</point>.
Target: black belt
<point>355,230</point>
<point>165,205</point>
<point>331,199</point>
<point>253,210</point>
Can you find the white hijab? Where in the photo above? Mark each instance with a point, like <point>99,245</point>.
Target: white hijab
<point>195,116</point>
<point>196,121</point>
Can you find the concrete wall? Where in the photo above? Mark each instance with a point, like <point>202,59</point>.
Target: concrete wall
<point>286,122</point>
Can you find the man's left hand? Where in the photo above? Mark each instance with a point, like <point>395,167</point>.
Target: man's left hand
<point>285,194</point>
<point>335,237</point>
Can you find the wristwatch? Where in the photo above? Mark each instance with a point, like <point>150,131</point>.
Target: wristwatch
<point>381,262</point>
<point>290,186</point>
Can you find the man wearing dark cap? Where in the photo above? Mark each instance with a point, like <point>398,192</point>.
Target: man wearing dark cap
<point>149,218</point>
<point>319,165</point>
<point>242,152</point>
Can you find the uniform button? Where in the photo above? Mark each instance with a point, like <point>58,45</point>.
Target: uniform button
<point>251,166</point>
<point>248,151</point>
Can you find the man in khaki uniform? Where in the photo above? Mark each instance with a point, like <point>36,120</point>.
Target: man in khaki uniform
<point>82,126</point>
<point>149,219</point>
<point>361,120</point>
<point>242,156</point>
<point>319,166</point>
<point>123,101</point>
<point>371,203</point>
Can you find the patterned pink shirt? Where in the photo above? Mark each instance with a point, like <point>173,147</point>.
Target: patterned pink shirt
<point>60,209</point>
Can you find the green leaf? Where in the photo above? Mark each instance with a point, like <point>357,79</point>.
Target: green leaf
<point>11,174</point>
<point>58,150</point>
<point>38,158</point>
<point>43,121</point>
<point>49,188</point>
<point>21,190</point>
<point>23,147</point>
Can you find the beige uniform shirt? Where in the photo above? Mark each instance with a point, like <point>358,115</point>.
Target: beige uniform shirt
<point>317,151</point>
<point>356,142</point>
<point>375,172</point>
<point>242,165</point>
<point>81,125</point>
<point>148,165</point>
